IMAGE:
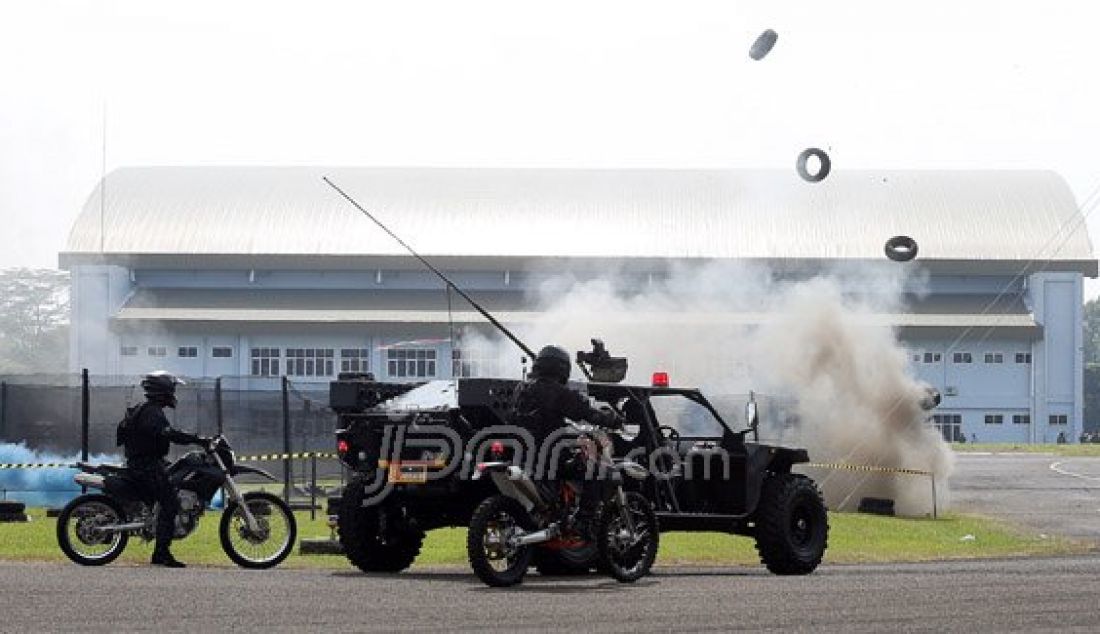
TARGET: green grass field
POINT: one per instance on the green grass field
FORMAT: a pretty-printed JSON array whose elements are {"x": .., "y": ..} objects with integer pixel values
[
  {"x": 853, "y": 538},
  {"x": 1058, "y": 450}
]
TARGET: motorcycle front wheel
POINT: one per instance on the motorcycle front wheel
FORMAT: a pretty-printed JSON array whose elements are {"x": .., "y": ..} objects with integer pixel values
[
  {"x": 80, "y": 531},
  {"x": 494, "y": 556},
  {"x": 274, "y": 538},
  {"x": 627, "y": 555}
]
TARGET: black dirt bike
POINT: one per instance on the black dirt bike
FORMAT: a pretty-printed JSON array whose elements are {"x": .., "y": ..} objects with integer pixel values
[
  {"x": 506, "y": 529},
  {"x": 257, "y": 529}
]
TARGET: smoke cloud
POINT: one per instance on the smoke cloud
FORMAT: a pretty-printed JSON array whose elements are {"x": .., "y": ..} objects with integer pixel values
[
  {"x": 40, "y": 487},
  {"x": 821, "y": 348}
]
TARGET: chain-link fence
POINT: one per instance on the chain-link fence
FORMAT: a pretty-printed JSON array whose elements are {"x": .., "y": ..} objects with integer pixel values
[{"x": 56, "y": 418}]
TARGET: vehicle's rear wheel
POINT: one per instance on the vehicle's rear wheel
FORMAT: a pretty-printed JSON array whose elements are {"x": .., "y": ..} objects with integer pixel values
[
  {"x": 375, "y": 538},
  {"x": 495, "y": 558},
  {"x": 792, "y": 526},
  {"x": 80, "y": 531},
  {"x": 563, "y": 562}
]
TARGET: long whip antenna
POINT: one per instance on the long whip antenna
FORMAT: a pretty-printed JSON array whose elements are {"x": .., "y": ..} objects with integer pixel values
[{"x": 484, "y": 313}]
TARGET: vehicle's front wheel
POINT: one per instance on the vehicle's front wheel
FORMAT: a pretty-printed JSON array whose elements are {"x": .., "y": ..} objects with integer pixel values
[
  {"x": 627, "y": 550},
  {"x": 496, "y": 559},
  {"x": 270, "y": 543},
  {"x": 371, "y": 543},
  {"x": 80, "y": 531},
  {"x": 792, "y": 526}
]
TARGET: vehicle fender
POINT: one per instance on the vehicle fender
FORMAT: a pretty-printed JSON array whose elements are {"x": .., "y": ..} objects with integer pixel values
[
  {"x": 762, "y": 461},
  {"x": 239, "y": 469}
]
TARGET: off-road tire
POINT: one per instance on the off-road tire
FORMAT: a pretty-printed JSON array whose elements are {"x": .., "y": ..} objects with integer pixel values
[
  {"x": 63, "y": 537},
  {"x": 566, "y": 563},
  {"x": 225, "y": 527},
  {"x": 610, "y": 515},
  {"x": 486, "y": 512},
  {"x": 357, "y": 528},
  {"x": 792, "y": 526}
]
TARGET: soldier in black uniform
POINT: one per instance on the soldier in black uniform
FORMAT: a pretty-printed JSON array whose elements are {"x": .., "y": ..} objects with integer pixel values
[
  {"x": 543, "y": 403},
  {"x": 147, "y": 436}
]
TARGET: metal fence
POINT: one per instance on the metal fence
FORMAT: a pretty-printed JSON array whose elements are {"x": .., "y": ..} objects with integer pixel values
[{"x": 62, "y": 417}]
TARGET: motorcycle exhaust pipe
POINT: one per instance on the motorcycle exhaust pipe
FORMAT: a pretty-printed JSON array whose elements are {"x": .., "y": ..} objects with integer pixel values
[
  {"x": 89, "y": 480},
  {"x": 122, "y": 528},
  {"x": 539, "y": 537}
]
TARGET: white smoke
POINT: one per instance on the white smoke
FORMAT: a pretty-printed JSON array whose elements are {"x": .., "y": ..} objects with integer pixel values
[{"x": 823, "y": 345}]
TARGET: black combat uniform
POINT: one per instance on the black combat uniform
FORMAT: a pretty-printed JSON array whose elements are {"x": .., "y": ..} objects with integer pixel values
[
  {"x": 146, "y": 438},
  {"x": 542, "y": 405}
]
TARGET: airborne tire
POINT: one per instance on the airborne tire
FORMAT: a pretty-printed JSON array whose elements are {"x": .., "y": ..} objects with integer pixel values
[
  {"x": 364, "y": 547},
  {"x": 792, "y": 526}
]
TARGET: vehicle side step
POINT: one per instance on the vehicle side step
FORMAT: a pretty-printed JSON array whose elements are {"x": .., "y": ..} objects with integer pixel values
[{"x": 700, "y": 522}]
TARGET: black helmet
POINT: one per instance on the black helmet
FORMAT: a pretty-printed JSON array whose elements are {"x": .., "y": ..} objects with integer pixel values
[
  {"x": 160, "y": 387},
  {"x": 552, "y": 362}
]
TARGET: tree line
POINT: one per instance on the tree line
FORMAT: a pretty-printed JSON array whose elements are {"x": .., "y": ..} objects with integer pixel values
[{"x": 34, "y": 321}]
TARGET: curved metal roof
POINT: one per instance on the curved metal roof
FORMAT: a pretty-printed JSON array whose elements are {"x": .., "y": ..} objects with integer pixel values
[{"x": 537, "y": 213}]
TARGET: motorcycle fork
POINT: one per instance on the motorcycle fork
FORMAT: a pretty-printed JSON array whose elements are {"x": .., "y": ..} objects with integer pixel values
[
  {"x": 236, "y": 496},
  {"x": 624, "y": 511}
]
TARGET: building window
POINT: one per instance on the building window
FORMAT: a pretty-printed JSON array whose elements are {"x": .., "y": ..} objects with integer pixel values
[
  {"x": 994, "y": 357},
  {"x": 158, "y": 351},
  {"x": 188, "y": 352},
  {"x": 1023, "y": 357},
  {"x": 221, "y": 352},
  {"x": 469, "y": 363},
  {"x": 932, "y": 357},
  {"x": 1021, "y": 419},
  {"x": 962, "y": 357},
  {"x": 309, "y": 361},
  {"x": 1059, "y": 419},
  {"x": 355, "y": 360},
  {"x": 949, "y": 426},
  {"x": 994, "y": 419},
  {"x": 410, "y": 362},
  {"x": 128, "y": 351},
  {"x": 265, "y": 362}
]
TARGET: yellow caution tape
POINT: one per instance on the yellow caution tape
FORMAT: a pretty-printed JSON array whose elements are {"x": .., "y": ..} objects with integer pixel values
[
  {"x": 286, "y": 456},
  {"x": 257, "y": 458},
  {"x": 38, "y": 465},
  {"x": 860, "y": 467}
]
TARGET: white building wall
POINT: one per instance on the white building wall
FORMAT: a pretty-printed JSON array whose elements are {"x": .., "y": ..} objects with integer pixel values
[{"x": 1050, "y": 385}]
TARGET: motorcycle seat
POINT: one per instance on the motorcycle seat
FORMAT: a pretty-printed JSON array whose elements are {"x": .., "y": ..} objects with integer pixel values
[{"x": 100, "y": 468}]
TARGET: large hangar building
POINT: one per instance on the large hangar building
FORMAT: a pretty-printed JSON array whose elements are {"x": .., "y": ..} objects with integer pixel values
[{"x": 261, "y": 272}]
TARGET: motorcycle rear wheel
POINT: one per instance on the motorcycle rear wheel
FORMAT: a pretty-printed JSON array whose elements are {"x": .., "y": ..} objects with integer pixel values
[
  {"x": 494, "y": 561},
  {"x": 278, "y": 531},
  {"x": 627, "y": 557},
  {"x": 78, "y": 532}
]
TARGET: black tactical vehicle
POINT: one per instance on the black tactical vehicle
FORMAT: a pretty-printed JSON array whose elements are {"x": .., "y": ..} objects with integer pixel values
[{"x": 705, "y": 474}]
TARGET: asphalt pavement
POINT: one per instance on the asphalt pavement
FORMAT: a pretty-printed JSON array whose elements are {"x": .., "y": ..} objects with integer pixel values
[
  {"x": 987, "y": 596},
  {"x": 1045, "y": 493}
]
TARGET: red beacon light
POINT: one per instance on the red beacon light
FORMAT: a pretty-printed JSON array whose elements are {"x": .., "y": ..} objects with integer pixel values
[{"x": 660, "y": 379}]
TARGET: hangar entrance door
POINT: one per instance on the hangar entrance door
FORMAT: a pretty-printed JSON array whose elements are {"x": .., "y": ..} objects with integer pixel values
[{"x": 949, "y": 426}]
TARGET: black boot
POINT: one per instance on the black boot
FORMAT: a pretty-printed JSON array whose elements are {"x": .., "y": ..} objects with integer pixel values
[{"x": 167, "y": 560}]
